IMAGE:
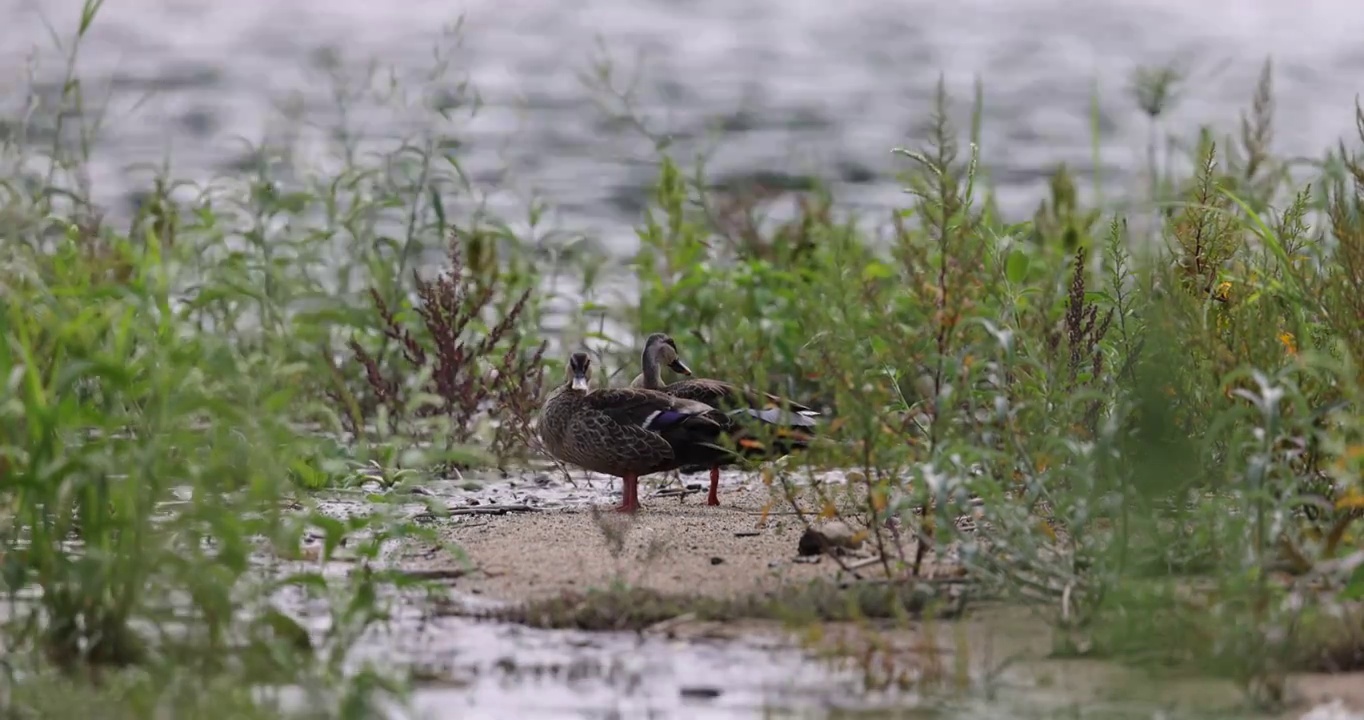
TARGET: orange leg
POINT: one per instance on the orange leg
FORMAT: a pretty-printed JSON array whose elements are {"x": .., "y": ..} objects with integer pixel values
[
  {"x": 629, "y": 495},
  {"x": 714, "y": 497}
]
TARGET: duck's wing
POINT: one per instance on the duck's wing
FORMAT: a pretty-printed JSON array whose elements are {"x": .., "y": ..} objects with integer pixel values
[
  {"x": 720, "y": 393},
  {"x": 643, "y": 408},
  {"x": 711, "y": 392}
]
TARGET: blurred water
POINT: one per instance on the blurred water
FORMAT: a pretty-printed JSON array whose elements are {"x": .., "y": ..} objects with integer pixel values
[{"x": 798, "y": 86}]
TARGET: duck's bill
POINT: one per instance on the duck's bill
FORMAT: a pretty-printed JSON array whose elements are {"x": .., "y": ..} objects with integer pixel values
[
  {"x": 579, "y": 383},
  {"x": 679, "y": 367}
]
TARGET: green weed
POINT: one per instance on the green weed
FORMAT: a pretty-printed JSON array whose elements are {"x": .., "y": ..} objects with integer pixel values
[
  {"x": 1112, "y": 403},
  {"x": 174, "y": 380},
  {"x": 631, "y": 608}
]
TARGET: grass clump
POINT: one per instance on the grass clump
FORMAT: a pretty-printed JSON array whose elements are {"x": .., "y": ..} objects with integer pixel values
[
  {"x": 471, "y": 368},
  {"x": 1075, "y": 406},
  {"x": 175, "y": 380},
  {"x": 623, "y": 607},
  {"x": 145, "y": 468}
]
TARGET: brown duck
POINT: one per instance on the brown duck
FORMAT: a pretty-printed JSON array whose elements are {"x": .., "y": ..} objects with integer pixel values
[
  {"x": 629, "y": 432},
  {"x": 794, "y": 421}
]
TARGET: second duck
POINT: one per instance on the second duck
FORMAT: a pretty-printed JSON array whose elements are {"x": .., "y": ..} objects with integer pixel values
[{"x": 793, "y": 422}]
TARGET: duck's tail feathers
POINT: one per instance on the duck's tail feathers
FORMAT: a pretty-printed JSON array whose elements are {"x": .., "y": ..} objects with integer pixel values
[
  {"x": 782, "y": 441},
  {"x": 777, "y": 416}
]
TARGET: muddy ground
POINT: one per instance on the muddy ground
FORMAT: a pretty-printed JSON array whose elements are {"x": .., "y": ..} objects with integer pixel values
[
  {"x": 672, "y": 545},
  {"x": 680, "y": 546}
]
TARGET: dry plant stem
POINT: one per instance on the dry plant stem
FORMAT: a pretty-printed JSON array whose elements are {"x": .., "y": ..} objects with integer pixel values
[
  {"x": 492, "y": 510},
  {"x": 867, "y": 472},
  {"x": 468, "y": 371},
  {"x": 923, "y": 539},
  {"x": 893, "y": 524}
]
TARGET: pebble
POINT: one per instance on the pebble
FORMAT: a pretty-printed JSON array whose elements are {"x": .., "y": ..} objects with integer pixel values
[
  {"x": 1334, "y": 710},
  {"x": 827, "y": 537}
]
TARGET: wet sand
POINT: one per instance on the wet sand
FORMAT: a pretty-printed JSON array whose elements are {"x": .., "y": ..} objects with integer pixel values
[
  {"x": 1001, "y": 652},
  {"x": 671, "y": 545}
]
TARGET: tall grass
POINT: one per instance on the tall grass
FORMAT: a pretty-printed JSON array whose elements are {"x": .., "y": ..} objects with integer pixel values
[
  {"x": 1152, "y": 428},
  {"x": 174, "y": 383}
]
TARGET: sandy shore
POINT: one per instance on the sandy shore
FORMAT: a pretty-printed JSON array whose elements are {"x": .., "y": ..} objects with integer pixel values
[
  {"x": 681, "y": 546},
  {"x": 672, "y": 545}
]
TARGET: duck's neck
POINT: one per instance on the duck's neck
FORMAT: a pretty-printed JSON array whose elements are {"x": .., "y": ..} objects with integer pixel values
[
  {"x": 562, "y": 389},
  {"x": 653, "y": 375}
]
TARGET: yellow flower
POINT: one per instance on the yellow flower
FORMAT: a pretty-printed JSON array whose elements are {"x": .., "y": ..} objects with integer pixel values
[
  {"x": 1223, "y": 291},
  {"x": 1290, "y": 343}
]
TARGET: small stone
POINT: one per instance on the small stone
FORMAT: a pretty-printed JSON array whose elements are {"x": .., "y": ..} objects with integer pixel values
[
  {"x": 829, "y": 537},
  {"x": 716, "y": 560}
]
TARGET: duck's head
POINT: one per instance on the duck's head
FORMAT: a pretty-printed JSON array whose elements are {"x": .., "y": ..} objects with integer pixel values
[
  {"x": 664, "y": 352},
  {"x": 579, "y": 371}
]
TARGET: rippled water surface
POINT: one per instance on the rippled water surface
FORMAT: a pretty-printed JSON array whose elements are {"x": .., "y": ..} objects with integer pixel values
[{"x": 801, "y": 87}]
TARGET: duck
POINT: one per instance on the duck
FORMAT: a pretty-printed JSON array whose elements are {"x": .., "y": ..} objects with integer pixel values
[
  {"x": 794, "y": 421},
  {"x": 629, "y": 432}
]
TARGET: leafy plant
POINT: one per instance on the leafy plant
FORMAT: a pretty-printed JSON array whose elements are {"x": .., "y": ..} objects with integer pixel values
[
  {"x": 1117, "y": 426},
  {"x": 469, "y": 366}
]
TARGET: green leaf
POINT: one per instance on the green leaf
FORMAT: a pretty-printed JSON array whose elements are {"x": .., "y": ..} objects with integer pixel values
[
  {"x": 875, "y": 270},
  {"x": 287, "y": 629},
  {"x": 1016, "y": 268},
  {"x": 1354, "y": 588}
]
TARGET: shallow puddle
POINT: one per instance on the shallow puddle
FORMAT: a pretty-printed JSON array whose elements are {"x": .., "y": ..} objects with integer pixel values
[
  {"x": 550, "y": 674},
  {"x": 490, "y": 670}
]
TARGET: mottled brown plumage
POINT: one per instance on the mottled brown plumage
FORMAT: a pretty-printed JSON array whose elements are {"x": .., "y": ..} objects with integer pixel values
[
  {"x": 629, "y": 432},
  {"x": 793, "y": 421}
]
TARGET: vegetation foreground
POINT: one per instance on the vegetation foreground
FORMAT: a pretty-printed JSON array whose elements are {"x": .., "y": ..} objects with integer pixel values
[{"x": 1149, "y": 410}]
